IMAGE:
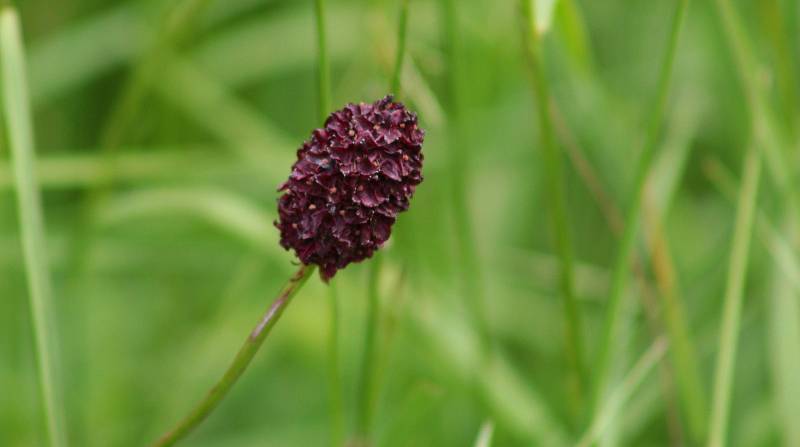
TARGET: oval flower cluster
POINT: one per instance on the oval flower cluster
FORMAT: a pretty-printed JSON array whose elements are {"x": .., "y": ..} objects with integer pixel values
[{"x": 351, "y": 180}]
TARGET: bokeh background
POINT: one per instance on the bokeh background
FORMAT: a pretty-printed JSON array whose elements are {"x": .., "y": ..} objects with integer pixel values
[{"x": 163, "y": 131}]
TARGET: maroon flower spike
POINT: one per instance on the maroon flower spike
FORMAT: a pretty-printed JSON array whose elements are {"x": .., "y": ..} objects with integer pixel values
[{"x": 350, "y": 181}]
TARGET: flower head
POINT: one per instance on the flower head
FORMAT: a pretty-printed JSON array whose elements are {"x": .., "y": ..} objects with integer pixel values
[{"x": 351, "y": 180}]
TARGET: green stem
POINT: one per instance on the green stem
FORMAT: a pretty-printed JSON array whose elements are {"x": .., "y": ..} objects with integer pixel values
[
  {"x": 459, "y": 164},
  {"x": 16, "y": 108},
  {"x": 173, "y": 29},
  {"x": 323, "y": 65},
  {"x": 336, "y": 406},
  {"x": 334, "y": 374},
  {"x": 558, "y": 212},
  {"x": 402, "y": 23},
  {"x": 762, "y": 122},
  {"x": 779, "y": 36},
  {"x": 731, "y": 316},
  {"x": 366, "y": 389},
  {"x": 240, "y": 362},
  {"x": 682, "y": 351},
  {"x": 623, "y": 259},
  {"x": 625, "y": 391}
]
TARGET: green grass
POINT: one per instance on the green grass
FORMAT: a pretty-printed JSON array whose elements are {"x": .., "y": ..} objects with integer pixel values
[
  {"x": 240, "y": 363},
  {"x": 621, "y": 271},
  {"x": 18, "y": 126},
  {"x": 471, "y": 340},
  {"x": 731, "y": 318},
  {"x": 559, "y": 221}
]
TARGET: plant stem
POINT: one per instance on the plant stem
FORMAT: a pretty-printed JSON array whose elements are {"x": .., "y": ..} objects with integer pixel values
[
  {"x": 632, "y": 218},
  {"x": 762, "y": 122},
  {"x": 16, "y": 108},
  {"x": 459, "y": 156},
  {"x": 402, "y": 23},
  {"x": 366, "y": 389},
  {"x": 323, "y": 65},
  {"x": 240, "y": 362},
  {"x": 558, "y": 213},
  {"x": 335, "y": 403},
  {"x": 334, "y": 374},
  {"x": 729, "y": 333},
  {"x": 622, "y": 394},
  {"x": 690, "y": 385}
]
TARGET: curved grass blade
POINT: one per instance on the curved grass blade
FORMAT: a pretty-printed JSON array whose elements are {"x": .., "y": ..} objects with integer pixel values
[
  {"x": 367, "y": 391},
  {"x": 729, "y": 333},
  {"x": 485, "y": 435}
]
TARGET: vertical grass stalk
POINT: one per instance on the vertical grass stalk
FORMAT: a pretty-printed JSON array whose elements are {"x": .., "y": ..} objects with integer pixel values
[
  {"x": 682, "y": 351},
  {"x": 240, "y": 363},
  {"x": 402, "y": 25},
  {"x": 368, "y": 386},
  {"x": 323, "y": 64},
  {"x": 557, "y": 200},
  {"x": 366, "y": 389},
  {"x": 737, "y": 269},
  {"x": 762, "y": 122},
  {"x": 458, "y": 160},
  {"x": 335, "y": 404},
  {"x": 624, "y": 255},
  {"x": 624, "y": 391},
  {"x": 174, "y": 28},
  {"x": 19, "y": 128}
]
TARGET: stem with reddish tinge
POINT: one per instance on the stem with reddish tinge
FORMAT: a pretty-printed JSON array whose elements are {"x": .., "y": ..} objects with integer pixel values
[{"x": 241, "y": 362}]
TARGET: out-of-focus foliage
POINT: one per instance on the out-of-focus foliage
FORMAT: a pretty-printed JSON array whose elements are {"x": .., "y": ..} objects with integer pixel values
[{"x": 158, "y": 281}]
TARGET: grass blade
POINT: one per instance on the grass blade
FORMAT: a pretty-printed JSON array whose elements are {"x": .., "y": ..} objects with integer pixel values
[
  {"x": 729, "y": 332},
  {"x": 229, "y": 212},
  {"x": 366, "y": 389},
  {"x": 660, "y": 192},
  {"x": 485, "y": 435},
  {"x": 212, "y": 105},
  {"x": 762, "y": 120},
  {"x": 623, "y": 393},
  {"x": 323, "y": 64},
  {"x": 572, "y": 26},
  {"x": 784, "y": 326},
  {"x": 19, "y": 128},
  {"x": 176, "y": 24},
  {"x": 402, "y": 25},
  {"x": 557, "y": 202},
  {"x": 784, "y": 345},
  {"x": 459, "y": 156},
  {"x": 632, "y": 218}
]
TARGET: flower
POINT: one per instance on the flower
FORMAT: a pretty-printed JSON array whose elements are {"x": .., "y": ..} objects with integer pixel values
[{"x": 350, "y": 181}]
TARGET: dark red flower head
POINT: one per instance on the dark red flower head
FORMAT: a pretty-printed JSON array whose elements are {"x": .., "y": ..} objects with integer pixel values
[{"x": 351, "y": 180}]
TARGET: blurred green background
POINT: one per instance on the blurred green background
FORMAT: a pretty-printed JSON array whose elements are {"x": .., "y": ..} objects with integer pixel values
[{"x": 163, "y": 131}]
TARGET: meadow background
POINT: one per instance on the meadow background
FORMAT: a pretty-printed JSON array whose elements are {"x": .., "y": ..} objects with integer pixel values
[{"x": 164, "y": 128}]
